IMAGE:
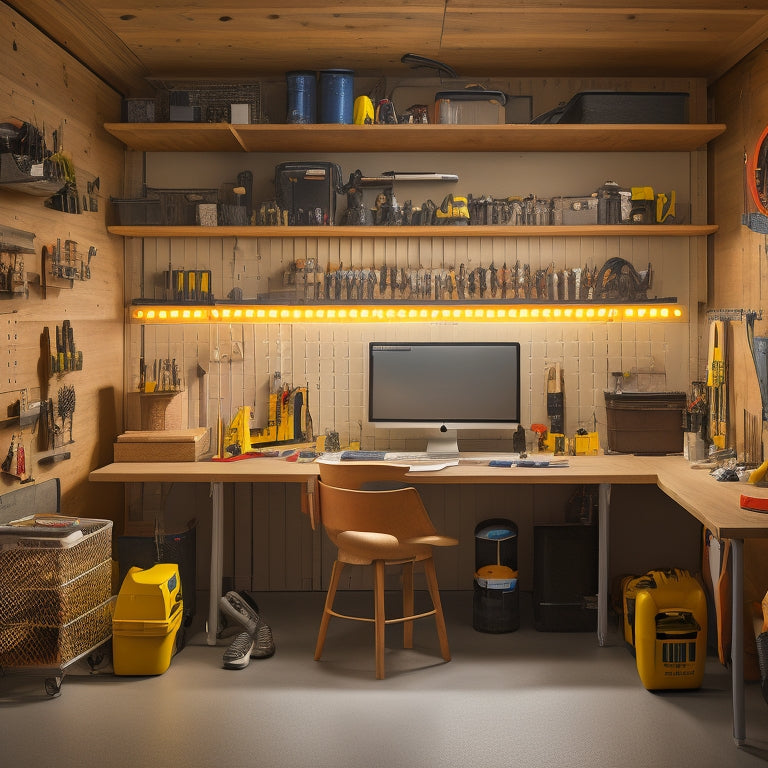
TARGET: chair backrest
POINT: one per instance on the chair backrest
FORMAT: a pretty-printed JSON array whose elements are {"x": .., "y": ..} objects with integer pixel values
[
  {"x": 358, "y": 475},
  {"x": 398, "y": 512}
]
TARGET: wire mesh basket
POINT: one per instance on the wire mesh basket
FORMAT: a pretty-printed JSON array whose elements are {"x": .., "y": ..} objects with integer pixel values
[
  {"x": 28, "y": 561},
  {"x": 215, "y": 98},
  {"x": 51, "y": 606},
  {"x": 30, "y": 645},
  {"x": 178, "y": 207}
]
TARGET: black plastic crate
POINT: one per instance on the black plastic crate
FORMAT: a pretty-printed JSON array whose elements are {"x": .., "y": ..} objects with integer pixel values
[{"x": 608, "y": 107}]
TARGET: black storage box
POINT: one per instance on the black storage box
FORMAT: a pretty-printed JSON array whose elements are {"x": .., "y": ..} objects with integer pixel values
[
  {"x": 645, "y": 422},
  {"x": 620, "y": 107},
  {"x": 307, "y": 191},
  {"x": 138, "y": 111},
  {"x": 162, "y": 207},
  {"x": 136, "y": 212},
  {"x": 565, "y": 565}
]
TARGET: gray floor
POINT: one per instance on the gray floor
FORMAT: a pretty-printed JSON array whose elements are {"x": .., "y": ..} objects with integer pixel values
[{"x": 525, "y": 698}]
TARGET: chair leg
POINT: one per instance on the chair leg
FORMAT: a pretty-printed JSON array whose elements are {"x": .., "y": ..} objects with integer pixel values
[
  {"x": 379, "y": 616},
  {"x": 408, "y": 604},
  {"x": 338, "y": 567},
  {"x": 434, "y": 593}
]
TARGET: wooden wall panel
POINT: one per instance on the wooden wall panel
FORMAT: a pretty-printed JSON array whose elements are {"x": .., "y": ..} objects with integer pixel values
[
  {"x": 740, "y": 99},
  {"x": 41, "y": 84}
]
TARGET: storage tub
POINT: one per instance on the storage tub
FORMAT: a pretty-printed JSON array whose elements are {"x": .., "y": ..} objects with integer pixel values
[
  {"x": 645, "y": 422},
  {"x": 147, "y": 618},
  {"x": 606, "y": 107}
]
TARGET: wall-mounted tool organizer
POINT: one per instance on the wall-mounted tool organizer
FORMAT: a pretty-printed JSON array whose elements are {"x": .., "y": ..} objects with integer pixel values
[{"x": 63, "y": 265}]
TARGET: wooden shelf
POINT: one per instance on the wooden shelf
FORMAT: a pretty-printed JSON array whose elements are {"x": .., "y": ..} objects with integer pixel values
[
  {"x": 605, "y": 230},
  {"x": 223, "y": 137}
]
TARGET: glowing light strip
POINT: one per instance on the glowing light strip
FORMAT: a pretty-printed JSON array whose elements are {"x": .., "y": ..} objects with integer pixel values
[{"x": 409, "y": 313}]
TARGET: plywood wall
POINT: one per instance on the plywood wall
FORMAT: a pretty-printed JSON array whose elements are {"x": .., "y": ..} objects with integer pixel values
[
  {"x": 738, "y": 266},
  {"x": 41, "y": 84}
]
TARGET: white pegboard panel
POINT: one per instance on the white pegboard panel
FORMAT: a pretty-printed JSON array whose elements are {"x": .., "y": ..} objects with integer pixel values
[{"x": 10, "y": 362}]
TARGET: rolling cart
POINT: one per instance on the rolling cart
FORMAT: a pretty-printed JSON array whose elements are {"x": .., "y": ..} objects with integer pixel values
[{"x": 55, "y": 596}]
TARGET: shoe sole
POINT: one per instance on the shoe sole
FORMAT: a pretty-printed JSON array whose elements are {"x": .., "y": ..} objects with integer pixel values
[{"x": 237, "y": 664}]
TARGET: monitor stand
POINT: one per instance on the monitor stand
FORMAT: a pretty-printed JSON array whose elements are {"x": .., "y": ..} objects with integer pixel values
[{"x": 446, "y": 442}]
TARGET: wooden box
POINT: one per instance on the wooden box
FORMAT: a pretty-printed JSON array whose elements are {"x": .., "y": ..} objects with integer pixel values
[{"x": 165, "y": 445}]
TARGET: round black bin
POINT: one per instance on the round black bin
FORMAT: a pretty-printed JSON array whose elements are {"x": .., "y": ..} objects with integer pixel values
[{"x": 496, "y": 600}]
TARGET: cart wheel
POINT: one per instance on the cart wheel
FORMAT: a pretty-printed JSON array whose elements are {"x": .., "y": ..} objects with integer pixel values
[
  {"x": 96, "y": 659},
  {"x": 53, "y": 686}
]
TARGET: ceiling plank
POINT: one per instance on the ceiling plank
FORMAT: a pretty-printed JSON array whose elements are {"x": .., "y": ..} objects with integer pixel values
[
  {"x": 126, "y": 42},
  {"x": 78, "y": 29}
]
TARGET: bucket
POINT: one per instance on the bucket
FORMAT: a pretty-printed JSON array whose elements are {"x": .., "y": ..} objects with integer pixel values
[
  {"x": 337, "y": 96},
  {"x": 302, "y": 99},
  {"x": 496, "y": 600}
]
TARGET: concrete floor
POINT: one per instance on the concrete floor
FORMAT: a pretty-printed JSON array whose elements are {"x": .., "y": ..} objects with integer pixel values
[{"x": 524, "y": 698}]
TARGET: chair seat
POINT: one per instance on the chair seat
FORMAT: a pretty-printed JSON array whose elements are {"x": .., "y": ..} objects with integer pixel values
[{"x": 363, "y": 547}]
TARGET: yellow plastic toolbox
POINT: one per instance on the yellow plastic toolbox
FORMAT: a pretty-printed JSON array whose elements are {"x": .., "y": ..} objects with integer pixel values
[
  {"x": 665, "y": 622},
  {"x": 147, "y": 618}
]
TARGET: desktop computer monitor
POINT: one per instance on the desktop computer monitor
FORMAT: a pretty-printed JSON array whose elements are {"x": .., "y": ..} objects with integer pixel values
[{"x": 444, "y": 387}]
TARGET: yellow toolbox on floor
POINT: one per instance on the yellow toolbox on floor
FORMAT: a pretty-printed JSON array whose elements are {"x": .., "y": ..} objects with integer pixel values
[
  {"x": 665, "y": 622},
  {"x": 147, "y": 618}
]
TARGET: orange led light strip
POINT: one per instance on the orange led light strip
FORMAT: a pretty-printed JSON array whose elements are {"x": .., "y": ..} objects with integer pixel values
[{"x": 423, "y": 313}]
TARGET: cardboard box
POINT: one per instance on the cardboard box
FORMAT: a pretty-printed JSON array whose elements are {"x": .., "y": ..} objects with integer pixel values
[
  {"x": 157, "y": 411},
  {"x": 166, "y": 445}
]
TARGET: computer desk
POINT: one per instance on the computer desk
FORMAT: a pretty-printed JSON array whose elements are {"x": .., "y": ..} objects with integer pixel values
[{"x": 714, "y": 504}]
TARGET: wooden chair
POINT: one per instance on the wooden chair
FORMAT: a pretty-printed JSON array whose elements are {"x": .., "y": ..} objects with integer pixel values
[{"x": 380, "y": 528}]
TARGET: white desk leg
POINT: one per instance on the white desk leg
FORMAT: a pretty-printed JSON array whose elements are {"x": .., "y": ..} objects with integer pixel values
[
  {"x": 217, "y": 545},
  {"x": 604, "y": 505},
  {"x": 737, "y": 641}
]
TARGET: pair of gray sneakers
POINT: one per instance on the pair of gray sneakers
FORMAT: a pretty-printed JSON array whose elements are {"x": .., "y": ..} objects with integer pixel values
[{"x": 256, "y": 641}]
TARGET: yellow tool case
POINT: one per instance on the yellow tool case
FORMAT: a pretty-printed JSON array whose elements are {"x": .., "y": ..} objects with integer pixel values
[
  {"x": 147, "y": 618},
  {"x": 665, "y": 621}
]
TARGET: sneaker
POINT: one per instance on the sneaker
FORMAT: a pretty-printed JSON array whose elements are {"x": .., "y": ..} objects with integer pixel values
[
  {"x": 238, "y": 654},
  {"x": 264, "y": 644},
  {"x": 242, "y": 609}
]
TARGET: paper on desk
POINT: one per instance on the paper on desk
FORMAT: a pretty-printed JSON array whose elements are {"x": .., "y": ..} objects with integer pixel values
[{"x": 432, "y": 467}]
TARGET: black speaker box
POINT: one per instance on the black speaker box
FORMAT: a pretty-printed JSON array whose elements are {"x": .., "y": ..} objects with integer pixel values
[{"x": 565, "y": 563}]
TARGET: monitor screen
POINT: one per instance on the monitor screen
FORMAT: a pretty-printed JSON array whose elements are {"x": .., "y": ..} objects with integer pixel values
[{"x": 456, "y": 385}]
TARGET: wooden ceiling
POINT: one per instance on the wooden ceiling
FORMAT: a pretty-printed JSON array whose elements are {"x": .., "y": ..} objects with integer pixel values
[{"x": 125, "y": 41}]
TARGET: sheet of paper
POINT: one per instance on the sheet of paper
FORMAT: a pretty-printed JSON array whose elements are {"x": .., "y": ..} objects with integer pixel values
[{"x": 432, "y": 467}]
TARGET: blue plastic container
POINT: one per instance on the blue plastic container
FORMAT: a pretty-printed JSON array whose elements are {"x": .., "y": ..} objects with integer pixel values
[
  {"x": 302, "y": 97},
  {"x": 337, "y": 96}
]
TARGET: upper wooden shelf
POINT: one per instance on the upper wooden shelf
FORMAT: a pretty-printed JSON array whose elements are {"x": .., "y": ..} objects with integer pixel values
[
  {"x": 596, "y": 230},
  {"x": 223, "y": 137}
]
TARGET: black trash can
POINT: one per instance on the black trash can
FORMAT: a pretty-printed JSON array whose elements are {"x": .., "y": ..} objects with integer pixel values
[{"x": 496, "y": 601}]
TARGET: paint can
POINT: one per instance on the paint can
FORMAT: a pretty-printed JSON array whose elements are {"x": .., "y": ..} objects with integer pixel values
[
  {"x": 302, "y": 97},
  {"x": 337, "y": 96}
]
